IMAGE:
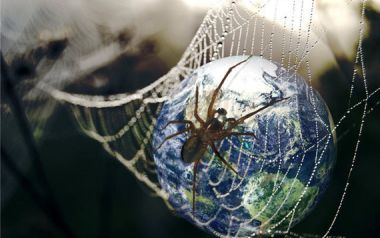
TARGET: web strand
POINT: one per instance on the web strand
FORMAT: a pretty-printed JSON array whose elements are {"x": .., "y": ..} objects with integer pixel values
[{"x": 124, "y": 123}]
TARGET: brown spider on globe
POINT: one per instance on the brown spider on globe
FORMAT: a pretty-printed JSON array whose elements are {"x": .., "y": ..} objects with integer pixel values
[{"x": 215, "y": 128}]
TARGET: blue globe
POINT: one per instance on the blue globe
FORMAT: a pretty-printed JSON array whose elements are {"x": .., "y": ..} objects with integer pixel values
[{"x": 281, "y": 174}]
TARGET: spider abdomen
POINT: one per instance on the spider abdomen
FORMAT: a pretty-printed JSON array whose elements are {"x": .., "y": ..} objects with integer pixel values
[{"x": 193, "y": 149}]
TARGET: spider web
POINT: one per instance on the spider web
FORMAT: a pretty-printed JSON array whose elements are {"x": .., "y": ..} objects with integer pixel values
[{"x": 124, "y": 123}]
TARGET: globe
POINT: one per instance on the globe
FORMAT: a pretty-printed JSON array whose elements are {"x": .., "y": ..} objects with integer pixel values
[{"x": 281, "y": 172}]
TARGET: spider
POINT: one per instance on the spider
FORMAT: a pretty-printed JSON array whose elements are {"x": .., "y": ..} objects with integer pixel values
[{"x": 215, "y": 128}]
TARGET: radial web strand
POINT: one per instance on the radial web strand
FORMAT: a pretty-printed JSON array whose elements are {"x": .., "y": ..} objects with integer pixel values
[{"x": 124, "y": 123}]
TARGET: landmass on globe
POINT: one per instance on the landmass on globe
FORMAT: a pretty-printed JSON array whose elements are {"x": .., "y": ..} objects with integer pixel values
[{"x": 282, "y": 174}]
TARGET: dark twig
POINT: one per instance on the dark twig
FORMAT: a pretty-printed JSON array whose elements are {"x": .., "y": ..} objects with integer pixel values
[
  {"x": 42, "y": 203},
  {"x": 49, "y": 203}
]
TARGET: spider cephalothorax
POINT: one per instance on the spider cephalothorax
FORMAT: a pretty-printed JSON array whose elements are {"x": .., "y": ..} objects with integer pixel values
[{"x": 215, "y": 128}]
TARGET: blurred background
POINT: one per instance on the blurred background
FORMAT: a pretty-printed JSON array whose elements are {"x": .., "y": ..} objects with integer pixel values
[{"x": 57, "y": 182}]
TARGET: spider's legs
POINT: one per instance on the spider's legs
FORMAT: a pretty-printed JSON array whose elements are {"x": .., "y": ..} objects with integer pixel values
[
  {"x": 210, "y": 110},
  {"x": 172, "y": 135},
  {"x": 188, "y": 122},
  {"x": 215, "y": 150},
  {"x": 241, "y": 119},
  {"x": 196, "y": 107},
  {"x": 229, "y": 121},
  {"x": 195, "y": 168}
]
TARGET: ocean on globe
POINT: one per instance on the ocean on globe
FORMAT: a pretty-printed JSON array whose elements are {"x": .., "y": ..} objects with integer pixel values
[{"x": 281, "y": 174}]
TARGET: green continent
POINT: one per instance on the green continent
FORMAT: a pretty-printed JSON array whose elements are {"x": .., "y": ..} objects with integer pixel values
[
  {"x": 271, "y": 198},
  {"x": 202, "y": 202}
]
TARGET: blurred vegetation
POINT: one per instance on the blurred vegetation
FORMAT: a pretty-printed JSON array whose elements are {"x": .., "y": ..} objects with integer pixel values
[{"x": 93, "y": 194}]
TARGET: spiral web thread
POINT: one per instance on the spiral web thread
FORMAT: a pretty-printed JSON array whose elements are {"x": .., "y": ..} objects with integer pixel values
[{"x": 124, "y": 123}]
